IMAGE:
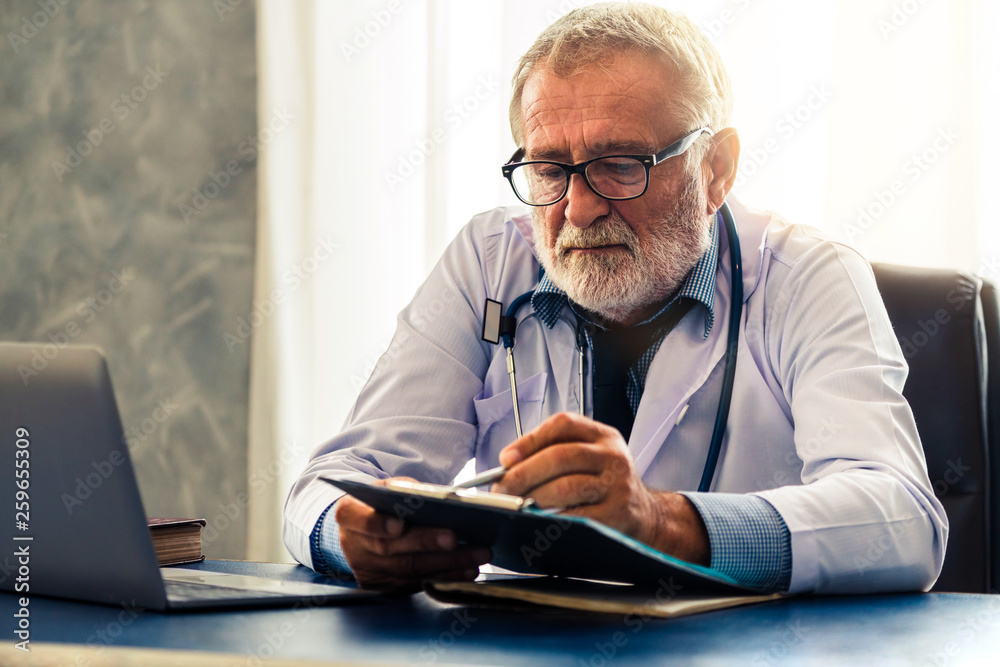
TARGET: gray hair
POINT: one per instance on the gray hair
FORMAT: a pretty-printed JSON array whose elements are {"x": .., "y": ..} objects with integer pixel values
[{"x": 593, "y": 34}]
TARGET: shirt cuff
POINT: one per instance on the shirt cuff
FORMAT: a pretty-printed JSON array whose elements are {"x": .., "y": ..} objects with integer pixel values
[
  {"x": 749, "y": 540},
  {"x": 324, "y": 547}
]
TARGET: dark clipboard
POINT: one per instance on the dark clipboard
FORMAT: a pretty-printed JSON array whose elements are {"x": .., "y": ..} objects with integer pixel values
[{"x": 538, "y": 542}]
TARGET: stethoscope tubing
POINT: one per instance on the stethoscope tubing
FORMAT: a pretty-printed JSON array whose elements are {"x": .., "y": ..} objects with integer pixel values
[{"x": 732, "y": 348}]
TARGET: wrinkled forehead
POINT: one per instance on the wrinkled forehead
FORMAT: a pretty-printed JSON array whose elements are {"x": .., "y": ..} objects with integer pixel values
[{"x": 624, "y": 102}]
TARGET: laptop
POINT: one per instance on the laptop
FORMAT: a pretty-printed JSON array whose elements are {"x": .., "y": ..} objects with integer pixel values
[{"x": 74, "y": 516}]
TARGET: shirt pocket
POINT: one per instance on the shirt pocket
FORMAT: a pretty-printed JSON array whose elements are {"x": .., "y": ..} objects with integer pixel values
[{"x": 495, "y": 415}]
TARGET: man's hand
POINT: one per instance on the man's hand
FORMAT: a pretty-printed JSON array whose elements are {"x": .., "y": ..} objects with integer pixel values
[
  {"x": 386, "y": 555},
  {"x": 574, "y": 462}
]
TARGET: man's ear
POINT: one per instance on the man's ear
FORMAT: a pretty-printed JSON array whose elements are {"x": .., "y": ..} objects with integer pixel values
[{"x": 720, "y": 166}]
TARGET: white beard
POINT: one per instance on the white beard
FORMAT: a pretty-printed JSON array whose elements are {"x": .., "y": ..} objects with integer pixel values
[{"x": 619, "y": 283}]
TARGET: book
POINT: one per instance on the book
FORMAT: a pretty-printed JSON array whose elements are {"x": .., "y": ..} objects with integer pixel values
[
  {"x": 176, "y": 541},
  {"x": 663, "y": 601},
  {"x": 533, "y": 541}
]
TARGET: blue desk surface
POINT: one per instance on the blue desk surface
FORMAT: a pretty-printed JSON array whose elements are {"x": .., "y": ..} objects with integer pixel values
[{"x": 910, "y": 629}]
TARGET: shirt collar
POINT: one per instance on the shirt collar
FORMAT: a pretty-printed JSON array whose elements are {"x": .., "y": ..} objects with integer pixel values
[{"x": 549, "y": 301}]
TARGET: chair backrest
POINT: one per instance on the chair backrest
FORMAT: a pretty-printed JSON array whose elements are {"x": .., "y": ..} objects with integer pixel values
[
  {"x": 991, "y": 316},
  {"x": 938, "y": 317}
]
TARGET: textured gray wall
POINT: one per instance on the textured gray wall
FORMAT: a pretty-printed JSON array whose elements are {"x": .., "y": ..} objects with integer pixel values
[{"x": 114, "y": 114}]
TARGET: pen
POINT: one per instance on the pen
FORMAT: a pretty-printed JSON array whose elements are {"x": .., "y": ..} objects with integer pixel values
[{"x": 483, "y": 478}]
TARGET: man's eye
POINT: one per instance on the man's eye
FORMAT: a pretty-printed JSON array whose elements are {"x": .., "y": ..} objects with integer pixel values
[
  {"x": 550, "y": 172},
  {"x": 621, "y": 169}
]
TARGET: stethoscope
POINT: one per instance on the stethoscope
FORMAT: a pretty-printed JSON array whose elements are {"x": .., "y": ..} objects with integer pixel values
[{"x": 497, "y": 327}]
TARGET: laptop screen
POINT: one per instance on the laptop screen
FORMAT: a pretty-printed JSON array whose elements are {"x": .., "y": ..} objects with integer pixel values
[{"x": 80, "y": 524}]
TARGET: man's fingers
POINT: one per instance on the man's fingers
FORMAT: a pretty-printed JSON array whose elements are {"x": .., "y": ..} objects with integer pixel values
[
  {"x": 559, "y": 460},
  {"x": 387, "y": 555},
  {"x": 379, "y": 571},
  {"x": 391, "y": 583},
  {"x": 570, "y": 491},
  {"x": 562, "y": 427},
  {"x": 423, "y": 565},
  {"x": 414, "y": 540},
  {"x": 353, "y": 515},
  {"x": 457, "y": 575}
]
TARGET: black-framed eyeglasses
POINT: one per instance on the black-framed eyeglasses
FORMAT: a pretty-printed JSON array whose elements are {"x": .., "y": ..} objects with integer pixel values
[{"x": 615, "y": 177}]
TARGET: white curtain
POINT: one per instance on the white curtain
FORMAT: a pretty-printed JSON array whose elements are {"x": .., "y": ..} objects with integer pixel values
[{"x": 867, "y": 118}]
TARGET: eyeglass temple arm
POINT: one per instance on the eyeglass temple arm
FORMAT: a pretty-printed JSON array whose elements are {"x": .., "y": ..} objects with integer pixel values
[
  {"x": 516, "y": 157},
  {"x": 679, "y": 146}
]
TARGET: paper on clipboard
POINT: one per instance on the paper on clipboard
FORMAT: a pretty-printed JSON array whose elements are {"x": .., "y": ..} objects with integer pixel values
[{"x": 456, "y": 494}]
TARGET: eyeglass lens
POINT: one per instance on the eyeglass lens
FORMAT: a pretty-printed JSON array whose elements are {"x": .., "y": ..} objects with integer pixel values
[{"x": 612, "y": 177}]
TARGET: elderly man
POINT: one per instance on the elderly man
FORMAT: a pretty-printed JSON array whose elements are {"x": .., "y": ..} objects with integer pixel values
[{"x": 627, "y": 274}]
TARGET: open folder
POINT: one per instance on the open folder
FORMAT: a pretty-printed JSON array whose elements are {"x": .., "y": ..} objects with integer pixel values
[
  {"x": 526, "y": 539},
  {"x": 637, "y": 601}
]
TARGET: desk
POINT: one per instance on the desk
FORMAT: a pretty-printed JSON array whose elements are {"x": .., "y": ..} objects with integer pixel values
[{"x": 877, "y": 630}]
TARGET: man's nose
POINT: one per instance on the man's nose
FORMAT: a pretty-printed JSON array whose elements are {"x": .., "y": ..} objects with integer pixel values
[{"x": 583, "y": 205}]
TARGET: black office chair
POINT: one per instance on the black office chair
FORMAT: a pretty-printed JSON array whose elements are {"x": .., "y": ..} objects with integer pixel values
[
  {"x": 946, "y": 323},
  {"x": 991, "y": 314}
]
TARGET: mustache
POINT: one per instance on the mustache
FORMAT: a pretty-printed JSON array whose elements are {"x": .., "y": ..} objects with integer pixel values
[{"x": 607, "y": 230}]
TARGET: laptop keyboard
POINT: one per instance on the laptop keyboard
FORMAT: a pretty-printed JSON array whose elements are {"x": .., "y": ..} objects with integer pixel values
[{"x": 182, "y": 591}]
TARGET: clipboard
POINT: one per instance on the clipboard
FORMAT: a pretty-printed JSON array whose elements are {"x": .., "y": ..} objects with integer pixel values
[
  {"x": 530, "y": 540},
  {"x": 460, "y": 495}
]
